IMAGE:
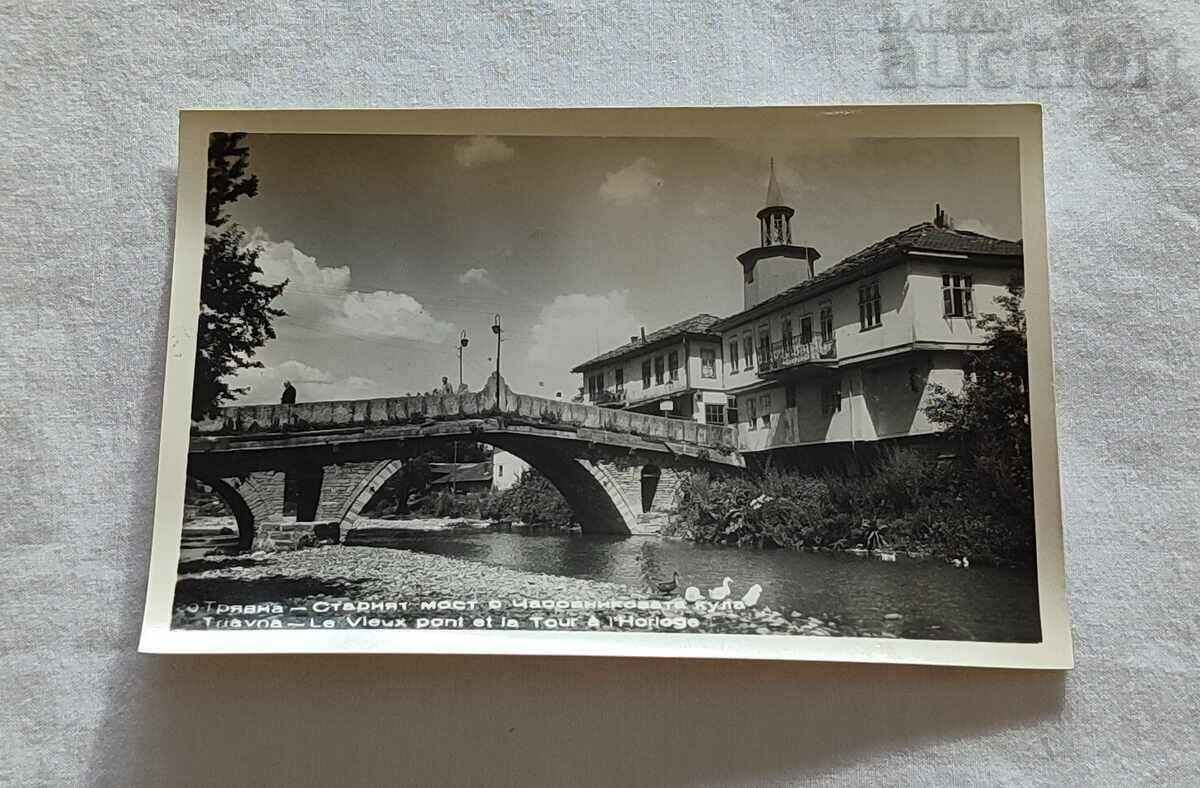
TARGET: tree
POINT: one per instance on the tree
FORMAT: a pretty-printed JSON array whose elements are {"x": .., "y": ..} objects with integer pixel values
[
  {"x": 989, "y": 418},
  {"x": 416, "y": 477},
  {"x": 534, "y": 500},
  {"x": 235, "y": 308}
]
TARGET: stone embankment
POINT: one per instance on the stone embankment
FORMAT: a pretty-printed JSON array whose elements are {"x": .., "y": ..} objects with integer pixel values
[{"x": 368, "y": 587}]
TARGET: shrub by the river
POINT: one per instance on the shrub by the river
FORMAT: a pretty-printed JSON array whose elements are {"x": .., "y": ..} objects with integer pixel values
[
  {"x": 534, "y": 500},
  {"x": 907, "y": 502},
  {"x": 443, "y": 503}
]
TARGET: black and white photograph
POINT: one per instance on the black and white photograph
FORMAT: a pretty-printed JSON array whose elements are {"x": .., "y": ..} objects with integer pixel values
[{"x": 587, "y": 385}]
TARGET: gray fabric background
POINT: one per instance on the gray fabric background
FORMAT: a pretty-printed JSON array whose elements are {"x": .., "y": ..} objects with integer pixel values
[{"x": 90, "y": 94}]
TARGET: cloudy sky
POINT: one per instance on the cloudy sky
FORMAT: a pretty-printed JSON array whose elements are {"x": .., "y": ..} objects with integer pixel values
[{"x": 393, "y": 245}]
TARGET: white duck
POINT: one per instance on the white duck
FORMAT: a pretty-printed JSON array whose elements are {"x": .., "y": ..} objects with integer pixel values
[
  {"x": 751, "y": 597},
  {"x": 721, "y": 591},
  {"x": 692, "y": 594}
]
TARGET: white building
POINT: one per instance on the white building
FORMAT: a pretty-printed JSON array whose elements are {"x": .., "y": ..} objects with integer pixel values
[
  {"x": 822, "y": 365},
  {"x": 506, "y": 469},
  {"x": 675, "y": 371}
]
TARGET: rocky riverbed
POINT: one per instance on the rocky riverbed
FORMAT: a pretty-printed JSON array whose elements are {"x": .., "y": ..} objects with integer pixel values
[{"x": 349, "y": 587}]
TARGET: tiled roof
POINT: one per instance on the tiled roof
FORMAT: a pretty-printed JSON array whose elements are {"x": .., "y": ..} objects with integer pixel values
[
  {"x": 927, "y": 237},
  {"x": 474, "y": 472},
  {"x": 696, "y": 325}
]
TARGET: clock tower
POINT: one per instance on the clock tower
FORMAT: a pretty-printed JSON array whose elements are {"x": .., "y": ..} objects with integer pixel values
[{"x": 776, "y": 263}]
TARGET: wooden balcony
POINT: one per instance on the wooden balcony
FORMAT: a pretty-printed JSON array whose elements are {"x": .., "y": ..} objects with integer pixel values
[
  {"x": 792, "y": 353},
  {"x": 606, "y": 398}
]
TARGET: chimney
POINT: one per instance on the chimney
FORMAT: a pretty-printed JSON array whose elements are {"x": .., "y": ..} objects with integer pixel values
[
  {"x": 633, "y": 339},
  {"x": 643, "y": 335}
]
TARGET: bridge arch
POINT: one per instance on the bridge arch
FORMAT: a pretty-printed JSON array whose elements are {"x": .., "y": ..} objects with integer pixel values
[
  {"x": 596, "y": 497},
  {"x": 352, "y": 508},
  {"x": 650, "y": 476},
  {"x": 251, "y": 499}
]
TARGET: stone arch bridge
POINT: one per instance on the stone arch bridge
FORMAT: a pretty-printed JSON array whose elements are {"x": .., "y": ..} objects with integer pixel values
[{"x": 616, "y": 469}]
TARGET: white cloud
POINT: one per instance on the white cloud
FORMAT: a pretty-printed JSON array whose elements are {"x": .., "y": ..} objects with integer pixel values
[
  {"x": 320, "y": 298},
  {"x": 384, "y": 313},
  {"x": 481, "y": 150},
  {"x": 479, "y": 276},
  {"x": 576, "y": 327},
  {"x": 635, "y": 184},
  {"x": 975, "y": 226},
  {"x": 299, "y": 372},
  {"x": 312, "y": 384}
]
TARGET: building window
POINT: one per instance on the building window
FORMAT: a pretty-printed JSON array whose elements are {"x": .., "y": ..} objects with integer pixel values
[
  {"x": 646, "y": 374},
  {"x": 957, "y": 299},
  {"x": 831, "y": 399},
  {"x": 748, "y": 350},
  {"x": 764, "y": 404},
  {"x": 826, "y": 324},
  {"x": 751, "y": 412},
  {"x": 868, "y": 305},
  {"x": 708, "y": 363},
  {"x": 733, "y": 356},
  {"x": 619, "y": 376},
  {"x": 789, "y": 393},
  {"x": 595, "y": 386},
  {"x": 673, "y": 365},
  {"x": 731, "y": 411},
  {"x": 714, "y": 414},
  {"x": 764, "y": 344},
  {"x": 806, "y": 330},
  {"x": 660, "y": 370},
  {"x": 786, "y": 328}
]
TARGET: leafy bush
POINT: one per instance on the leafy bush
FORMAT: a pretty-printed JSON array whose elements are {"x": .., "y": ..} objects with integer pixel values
[
  {"x": 907, "y": 502},
  {"x": 534, "y": 500}
]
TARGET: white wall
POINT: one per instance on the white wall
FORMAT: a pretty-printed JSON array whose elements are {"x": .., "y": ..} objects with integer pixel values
[
  {"x": 690, "y": 376},
  {"x": 773, "y": 275},
  {"x": 879, "y": 400},
  {"x": 925, "y": 295},
  {"x": 506, "y": 469}
]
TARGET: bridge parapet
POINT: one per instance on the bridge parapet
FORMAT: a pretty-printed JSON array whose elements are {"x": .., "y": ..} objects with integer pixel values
[{"x": 421, "y": 409}]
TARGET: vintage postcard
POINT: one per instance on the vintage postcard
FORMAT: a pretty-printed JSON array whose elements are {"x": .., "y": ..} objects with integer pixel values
[{"x": 763, "y": 383}]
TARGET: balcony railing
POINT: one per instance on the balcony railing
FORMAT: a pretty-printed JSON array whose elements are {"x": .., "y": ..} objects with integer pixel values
[
  {"x": 793, "y": 353},
  {"x": 606, "y": 397}
]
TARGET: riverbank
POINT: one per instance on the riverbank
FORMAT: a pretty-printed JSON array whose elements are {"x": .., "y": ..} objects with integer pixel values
[
  {"x": 350, "y": 587},
  {"x": 909, "y": 504}
]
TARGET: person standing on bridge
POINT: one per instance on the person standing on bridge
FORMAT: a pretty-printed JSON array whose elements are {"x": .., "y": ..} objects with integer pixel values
[
  {"x": 446, "y": 387},
  {"x": 289, "y": 393}
]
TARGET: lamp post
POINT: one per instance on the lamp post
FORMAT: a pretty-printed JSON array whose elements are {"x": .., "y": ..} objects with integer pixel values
[
  {"x": 496, "y": 331},
  {"x": 462, "y": 344}
]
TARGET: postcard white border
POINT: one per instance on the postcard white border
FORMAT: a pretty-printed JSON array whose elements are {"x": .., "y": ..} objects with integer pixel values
[{"x": 1020, "y": 121}]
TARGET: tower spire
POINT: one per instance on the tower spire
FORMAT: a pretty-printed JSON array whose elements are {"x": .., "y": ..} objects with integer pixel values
[
  {"x": 774, "y": 193},
  {"x": 775, "y": 218},
  {"x": 776, "y": 263}
]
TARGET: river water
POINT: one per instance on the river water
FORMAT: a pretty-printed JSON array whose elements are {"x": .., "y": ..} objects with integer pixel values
[{"x": 934, "y": 600}]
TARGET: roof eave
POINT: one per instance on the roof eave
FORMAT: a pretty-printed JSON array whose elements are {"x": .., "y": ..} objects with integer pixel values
[
  {"x": 602, "y": 361},
  {"x": 783, "y": 299}
]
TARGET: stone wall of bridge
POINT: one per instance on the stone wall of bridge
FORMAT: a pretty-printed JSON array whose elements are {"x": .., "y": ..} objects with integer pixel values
[
  {"x": 606, "y": 494},
  {"x": 716, "y": 440},
  {"x": 339, "y": 486}
]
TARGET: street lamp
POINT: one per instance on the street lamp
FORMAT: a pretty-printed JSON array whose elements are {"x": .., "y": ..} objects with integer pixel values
[
  {"x": 462, "y": 343},
  {"x": 496, "y": 331}
]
